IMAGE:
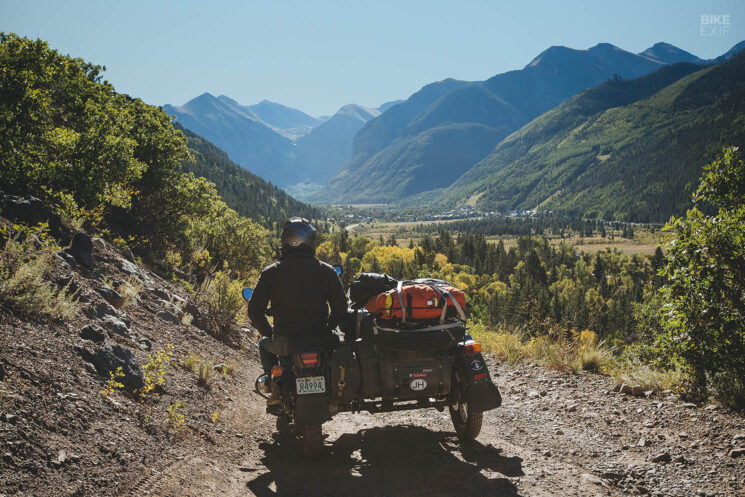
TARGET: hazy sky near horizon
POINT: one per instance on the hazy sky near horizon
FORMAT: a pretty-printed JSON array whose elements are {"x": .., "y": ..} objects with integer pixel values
[{"x": 318, "y": 55}]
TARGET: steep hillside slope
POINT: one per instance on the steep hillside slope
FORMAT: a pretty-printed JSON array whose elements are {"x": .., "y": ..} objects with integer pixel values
[
  {"x": 242, "y": 190},
  {"x": 502, "y": 103},
  {"x": 615, "y": 152}
]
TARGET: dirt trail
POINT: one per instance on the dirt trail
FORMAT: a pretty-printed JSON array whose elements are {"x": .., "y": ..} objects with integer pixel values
[{"x": 556, "y": 434}]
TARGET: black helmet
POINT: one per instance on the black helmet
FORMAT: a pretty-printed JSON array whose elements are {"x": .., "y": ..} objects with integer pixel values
[{"x": 298, "y": 234}]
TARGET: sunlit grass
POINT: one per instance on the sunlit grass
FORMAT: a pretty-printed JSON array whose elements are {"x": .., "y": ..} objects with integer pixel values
[{"x": 581, "y": 352}]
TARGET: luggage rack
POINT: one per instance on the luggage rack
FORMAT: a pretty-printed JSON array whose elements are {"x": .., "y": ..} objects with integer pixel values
[{"x": 388, "y": 405}]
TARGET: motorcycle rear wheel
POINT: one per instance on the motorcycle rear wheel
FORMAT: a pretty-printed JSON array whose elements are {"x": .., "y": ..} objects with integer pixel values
[
  {"x": 466, "y": 421},
  {"x": 312, "y": 441},
  {"x": 283, "y": 426}
]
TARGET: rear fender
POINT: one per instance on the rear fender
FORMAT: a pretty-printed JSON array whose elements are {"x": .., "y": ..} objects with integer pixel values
[
  {"x": 480, "y": 390},
  {"x": 312, "y": 408}
]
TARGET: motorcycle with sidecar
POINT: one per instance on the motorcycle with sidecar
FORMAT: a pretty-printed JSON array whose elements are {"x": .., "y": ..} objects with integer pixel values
[{"x": 383, "y": 365}]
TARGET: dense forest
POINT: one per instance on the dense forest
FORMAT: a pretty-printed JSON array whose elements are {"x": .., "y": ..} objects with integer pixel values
[
  {"x": 536, "y": 225},
  {"x": 682, "y": 312}
]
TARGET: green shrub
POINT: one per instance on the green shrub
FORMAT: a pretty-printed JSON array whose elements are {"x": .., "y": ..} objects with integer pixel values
[
  {"x": 222, "y": 295},
  {"x": 701, "y": 323}
]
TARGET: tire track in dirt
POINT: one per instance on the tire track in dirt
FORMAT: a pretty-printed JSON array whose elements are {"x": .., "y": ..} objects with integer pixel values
[{"x": 555, "y": 435}]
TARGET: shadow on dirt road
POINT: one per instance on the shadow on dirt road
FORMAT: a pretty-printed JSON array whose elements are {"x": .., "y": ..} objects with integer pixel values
[{"x": 389, "y": 461}]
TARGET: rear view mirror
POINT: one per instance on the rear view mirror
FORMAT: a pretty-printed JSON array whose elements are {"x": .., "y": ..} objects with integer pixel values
[
  {"x": 338, "y": 269},
  {"x": 247, "y": 292}
]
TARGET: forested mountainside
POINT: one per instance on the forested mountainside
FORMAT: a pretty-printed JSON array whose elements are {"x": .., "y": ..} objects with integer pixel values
[
  {"x": 621, "y": 151},
  {"x": 242, "y": 190},
  {"x": 491, "y": 109}
]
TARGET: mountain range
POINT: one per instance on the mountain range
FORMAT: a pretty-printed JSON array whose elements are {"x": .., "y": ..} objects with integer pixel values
[
  {"x": 283, "y": 145},
  {"x": 443, "y": 130},
  {"x": 626, "y": 149},
  {"x": 485, "y": 143}
]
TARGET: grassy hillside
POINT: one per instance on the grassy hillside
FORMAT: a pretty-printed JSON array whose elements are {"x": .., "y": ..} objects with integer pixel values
[
  {"x": 242, "y": 190},
  {"x": 615, "y": 152}
]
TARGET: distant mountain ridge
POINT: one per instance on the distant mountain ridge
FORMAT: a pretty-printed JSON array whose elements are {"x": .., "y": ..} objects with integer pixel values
[
  {"x": 627, "y": 150},
  {"x": 243, "y": 191},
  {"x": 395, "y": 150},
  {"x": 276, "y": 142},
  {"x": 409, "y": 147}
]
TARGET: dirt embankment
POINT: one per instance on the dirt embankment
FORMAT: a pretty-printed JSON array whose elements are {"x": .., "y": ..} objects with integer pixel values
[
  {"x": 59, "y": 435},
  {"x": 555, "y": 434}
]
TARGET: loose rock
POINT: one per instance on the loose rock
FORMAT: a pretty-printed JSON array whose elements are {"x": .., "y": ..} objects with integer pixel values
[
  {"x": 112, "y": 296},
  {"x": 740, "y": 451},
  {"x": 115, "y": 325},
  {"x": 662, "y": 457},
  {"x": 169, "y": 317},
  {"x": 92, "y": 332},
  {"x": 109, "y": 357}
]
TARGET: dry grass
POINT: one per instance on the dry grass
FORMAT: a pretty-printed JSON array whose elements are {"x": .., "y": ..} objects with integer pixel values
[
  {"x": 202, "y": 367},
  {"x": 583, "y": 352},
  {"x": 650, "y": 378},
  {"x": 130, "y": 289},
  {"x": 26, "y": 261}
]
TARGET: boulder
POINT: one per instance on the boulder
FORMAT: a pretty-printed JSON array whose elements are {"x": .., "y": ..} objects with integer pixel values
[
  {"x": 626, "y": 389},
  {"x": 82, "y": 249},
  {"x": 163, "y": 294},
  {"x": 92, "y": 332},
  {"x": 99, "y": 244},
  {"x": 110, "y": 357},
  {"x": 103, "y": 309},
  {"x": 28, "y": 210},
  {"x": 113, "y": 297},
  {"x": 637, "y": 391},
  {"x": 115, "y": 325},
  {"x": 662, "y": 457},
  {"x": 132, "y": 269}
]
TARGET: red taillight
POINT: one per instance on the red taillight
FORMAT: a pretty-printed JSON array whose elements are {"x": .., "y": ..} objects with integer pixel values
[
  {"x": 472, "y": 347},
  {"x": 309, "y": 359},
  {"x": 479, "y": 376}
]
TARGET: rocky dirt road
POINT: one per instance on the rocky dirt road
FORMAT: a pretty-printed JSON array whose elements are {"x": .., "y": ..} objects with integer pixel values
[{"x": 556, "y": 434}]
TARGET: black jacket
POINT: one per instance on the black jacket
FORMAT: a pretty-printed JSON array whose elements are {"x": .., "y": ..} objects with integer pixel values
[{"x": 299, "y": 287}]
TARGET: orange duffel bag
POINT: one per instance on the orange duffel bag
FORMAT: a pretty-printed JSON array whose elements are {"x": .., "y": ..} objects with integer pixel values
[{"x": 418, "y": 300}]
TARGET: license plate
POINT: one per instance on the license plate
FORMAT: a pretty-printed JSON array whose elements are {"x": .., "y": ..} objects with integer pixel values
[{"x": 310, "y": 384}]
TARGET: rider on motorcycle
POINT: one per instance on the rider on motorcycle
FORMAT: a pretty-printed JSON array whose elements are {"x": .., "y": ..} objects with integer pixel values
[{"x": 301, "y": 289}]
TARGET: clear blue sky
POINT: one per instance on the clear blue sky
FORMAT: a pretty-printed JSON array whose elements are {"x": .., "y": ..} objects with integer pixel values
[{"x": 319, "y": 55}]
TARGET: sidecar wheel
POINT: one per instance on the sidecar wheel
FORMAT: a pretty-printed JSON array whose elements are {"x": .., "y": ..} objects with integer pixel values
[{"x": 467, "y": 421}]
